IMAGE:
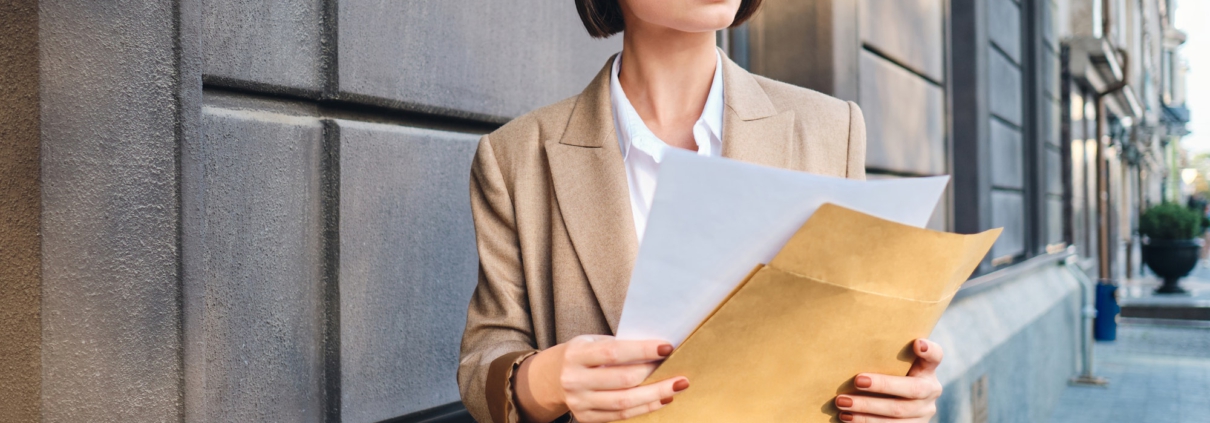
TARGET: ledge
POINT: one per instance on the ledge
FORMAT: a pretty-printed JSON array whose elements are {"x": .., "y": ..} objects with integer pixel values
[{"x": 991, "y": 280}]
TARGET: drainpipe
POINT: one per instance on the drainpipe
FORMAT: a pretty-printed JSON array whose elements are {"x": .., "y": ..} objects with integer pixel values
[
  {"x": 1088, "y": 312},
  {"x": 1103, "y": 169}
]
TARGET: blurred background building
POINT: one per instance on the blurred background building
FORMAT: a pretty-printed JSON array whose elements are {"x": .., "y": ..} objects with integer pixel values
[{"x": 227, "y": 210}]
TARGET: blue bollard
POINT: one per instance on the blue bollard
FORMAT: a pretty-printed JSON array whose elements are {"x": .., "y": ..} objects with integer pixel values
[{"x": 1106, "y": 326}]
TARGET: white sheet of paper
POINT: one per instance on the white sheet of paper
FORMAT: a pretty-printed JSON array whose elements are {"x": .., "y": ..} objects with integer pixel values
[{"x": 713, "y": 220}]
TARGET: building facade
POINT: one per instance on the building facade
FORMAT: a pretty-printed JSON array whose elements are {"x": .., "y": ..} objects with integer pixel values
[{"x": 224, "y": 210}]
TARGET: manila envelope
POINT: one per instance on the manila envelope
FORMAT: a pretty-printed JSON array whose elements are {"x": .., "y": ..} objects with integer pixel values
[{"x": 847, "y": 294}]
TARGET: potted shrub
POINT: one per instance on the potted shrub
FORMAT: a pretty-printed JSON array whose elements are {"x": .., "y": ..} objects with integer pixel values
[{"x": 1170, "y": 243}]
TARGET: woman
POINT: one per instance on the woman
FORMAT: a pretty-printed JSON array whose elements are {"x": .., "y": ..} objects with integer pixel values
[{"x": 560, "y": 197}]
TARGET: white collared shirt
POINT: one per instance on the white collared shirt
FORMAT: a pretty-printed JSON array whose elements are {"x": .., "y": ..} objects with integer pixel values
[{"x": 642, "y": 151}]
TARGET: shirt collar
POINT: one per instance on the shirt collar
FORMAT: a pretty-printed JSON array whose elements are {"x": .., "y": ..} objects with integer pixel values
[{"x": 631, "y": 129}]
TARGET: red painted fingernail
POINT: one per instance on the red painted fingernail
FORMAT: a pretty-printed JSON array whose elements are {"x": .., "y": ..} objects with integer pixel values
[
  {"x": 924, "y": 346},
  {"x": 680, "y": 385},
  {"x": 664, "y": 350},
  {"x": 848, "y": 417},
  {"x": 666, "y": 401},
  {"x": 844, "y": 402},
  {"x": 863, "y": 382}
]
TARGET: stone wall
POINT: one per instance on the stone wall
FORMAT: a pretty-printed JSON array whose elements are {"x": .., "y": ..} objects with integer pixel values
[
  {"x": 328, "y": 195},
  {"x": 258, "y": 211},
  {"x": 111, "y": 115},
  {"x": 20, "y": 206}
]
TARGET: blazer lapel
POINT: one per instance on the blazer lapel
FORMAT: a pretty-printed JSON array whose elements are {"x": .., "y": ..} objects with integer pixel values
[
  {"x": 753, "y": 130},
  {"x": 594, "y": 196}
]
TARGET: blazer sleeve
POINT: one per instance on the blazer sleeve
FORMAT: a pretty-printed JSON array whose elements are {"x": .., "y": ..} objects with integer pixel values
[
  {"x": 856, "y": 156},
  {"x": 499, "y": 330}
]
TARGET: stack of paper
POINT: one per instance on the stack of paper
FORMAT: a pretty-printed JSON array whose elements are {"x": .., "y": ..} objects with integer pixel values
[
  {"x": 713, "y": 220},
  {"x": 847, "y": 294}
]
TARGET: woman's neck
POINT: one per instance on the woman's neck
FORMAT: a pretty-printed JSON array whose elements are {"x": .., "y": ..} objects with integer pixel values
[{"x": 666, "y": 75}]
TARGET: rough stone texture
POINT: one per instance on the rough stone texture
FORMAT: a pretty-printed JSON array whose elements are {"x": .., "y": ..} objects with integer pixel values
[
  {"x": 407, "y": 267},
  {"x": 905, "y": 119},
  {"x": 1022, "y": 335},
  {"x": 502, "y": 60},
  {"x": 111, "y": 324},
  {"x": 811, "y": 44},
  {"x": 910, "y": 31},
  {"x": 1007, "y": 152},
  {"x": 275, "y": 45},
  {"x": 254, "y": 214},
  {"x": 1004, "y": 98},
  {"x": 20, "y": 209},
  {"x": 1008, "y": 212},
  {"x": 1004, "y": 27}
]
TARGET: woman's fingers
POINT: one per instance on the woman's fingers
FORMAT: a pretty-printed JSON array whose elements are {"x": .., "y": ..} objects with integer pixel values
[
  {"x": 870, "y": 418},
  {"x": 607, "y": 406},
  {"x": 886, "y": 407},
  {"x": 928, "y": 357},
  {"x": 595, "y": 416},
  {"x": 605, "y": 352},
  {"x": 625, "y": 399},
  {"x": 608, "y": 378},
  {"x": 908, "y": 387}
]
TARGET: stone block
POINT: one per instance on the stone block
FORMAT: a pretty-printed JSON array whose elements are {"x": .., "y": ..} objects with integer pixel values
[
  {"x": 1050, "y": 24},
  {"x": 254, "y": 229},
  {"x": 1004, "y": 87},
  {"x": 109, "y": 107},
  {"x": 1007, "y": 156},
  {"x": 1048, "y": 115},
  {"x": 1054, "y": 171},
  {"x": 479, "y": 59},
  {"x": 940, "y": 219},
  {"x": 1050, "y": 72},
  {"x": 273, "y": 45},
  {"x": 910, "y": 31},
  {"x": 1054, "y": 219},
  {"x": 1004, "y": 27},
  {"x": 408, "y": 265},
  {"x": 905, "y": 118},
  {"x": 1008, "y": 212}
]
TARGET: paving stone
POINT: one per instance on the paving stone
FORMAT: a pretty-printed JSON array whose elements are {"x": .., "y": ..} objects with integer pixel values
[
  {"x": 408, "y": 265},
  {"x": 1155, "y": 373}
]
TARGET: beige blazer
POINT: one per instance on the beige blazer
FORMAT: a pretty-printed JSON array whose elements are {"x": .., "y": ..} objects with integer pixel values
[{"x": 552, "y": 216}]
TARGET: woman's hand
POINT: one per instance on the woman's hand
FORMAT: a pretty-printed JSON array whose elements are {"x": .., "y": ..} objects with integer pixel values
[
  {"x": 596, "y": 378},
  {"x": 912, "y": 398}
]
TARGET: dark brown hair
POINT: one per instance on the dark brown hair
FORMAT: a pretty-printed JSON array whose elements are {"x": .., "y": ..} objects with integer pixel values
[{"x": 603, "y": 18}]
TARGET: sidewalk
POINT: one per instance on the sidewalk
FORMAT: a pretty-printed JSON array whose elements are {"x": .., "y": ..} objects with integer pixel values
[{"x": 1156, "y": 371}]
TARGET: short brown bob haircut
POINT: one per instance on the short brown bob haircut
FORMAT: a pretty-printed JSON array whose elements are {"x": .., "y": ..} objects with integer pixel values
[{"x": 603, "y": 18}]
